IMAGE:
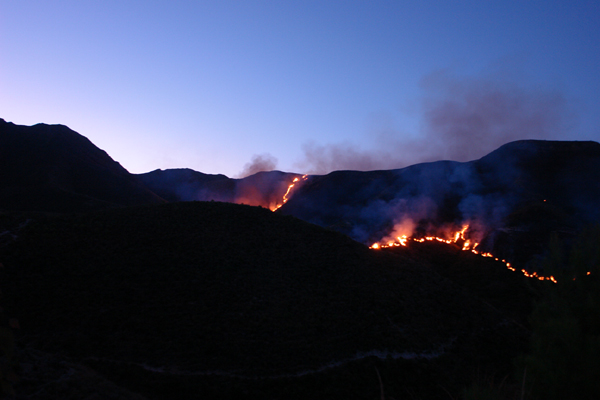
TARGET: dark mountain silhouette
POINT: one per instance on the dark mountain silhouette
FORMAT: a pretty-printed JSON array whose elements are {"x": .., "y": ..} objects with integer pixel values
[
  {"x": 231, "y": 301},
  {"x": 54, "y": 169},
  {"x": 514, "y": 198},
  {"x": 189, "y": 185},
  {"x": 234, "y": 301},
  {"x": 264, "y": 189}
]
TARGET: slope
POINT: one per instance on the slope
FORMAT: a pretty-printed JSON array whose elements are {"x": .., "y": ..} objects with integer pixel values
[
  {"x": 52, "y": 168},
  {"x": 515, "y": 198},
  {"x": 237, "y": 301},
  {"x": 261, "y": 189}
]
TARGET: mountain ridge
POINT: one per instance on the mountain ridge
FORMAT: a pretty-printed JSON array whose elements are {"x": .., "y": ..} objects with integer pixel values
[
  {"x": 263, "y": 189},
  {"x": 173, "y": 299},
  {"x": 513, "y": 199},
  {"x": 541, "y": 187},
  {"x": 52, "y": 168}
]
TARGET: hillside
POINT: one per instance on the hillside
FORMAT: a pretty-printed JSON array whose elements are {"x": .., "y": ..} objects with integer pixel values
[
  {"x": 264, "y": 189},
  {"x": 51, "y": 168},
  {"x": 113, "y": 292},
  {"x": 514, "y": 198},
  {"x": 235, "y": 301}
]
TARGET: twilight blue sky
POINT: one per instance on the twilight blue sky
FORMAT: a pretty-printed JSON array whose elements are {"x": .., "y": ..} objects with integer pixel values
[{"x": 302, "y": 86}]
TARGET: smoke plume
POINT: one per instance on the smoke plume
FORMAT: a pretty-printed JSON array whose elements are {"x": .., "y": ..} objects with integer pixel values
[
  {"x": 466, "y": 119},
  {"x": 462, "y": 119},
  {"x": 260, "y": 162},
  {"x": 321, "y": 159}
]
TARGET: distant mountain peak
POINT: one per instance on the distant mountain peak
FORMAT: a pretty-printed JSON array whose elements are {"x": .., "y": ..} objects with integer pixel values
[{"x": 53, "y": 168}]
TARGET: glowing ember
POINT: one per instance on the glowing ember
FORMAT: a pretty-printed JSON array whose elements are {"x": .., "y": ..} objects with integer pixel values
[
  {"x": 460, "y": 235},
  {"x": 285, "y": 196}
]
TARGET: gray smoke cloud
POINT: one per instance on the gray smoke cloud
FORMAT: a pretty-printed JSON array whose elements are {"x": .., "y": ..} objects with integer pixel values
[
  {"x": 462, "y": 119},
  {"x": 259, "y": 162},
  {"x": 321, "y": 159},
  {"x": 468, "y": 118}
]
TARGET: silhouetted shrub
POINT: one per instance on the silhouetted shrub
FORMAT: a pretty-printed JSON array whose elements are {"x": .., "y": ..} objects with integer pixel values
[{"x": 564, "y": 360}]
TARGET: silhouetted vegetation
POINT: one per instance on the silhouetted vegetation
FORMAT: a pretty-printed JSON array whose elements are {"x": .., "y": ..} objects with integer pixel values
[
  {"x": 228, "y": 301},
  {"x": 564, "y": 360},
  {"x": 8, "y": 359},
  {"x": 236, "y": 301}
]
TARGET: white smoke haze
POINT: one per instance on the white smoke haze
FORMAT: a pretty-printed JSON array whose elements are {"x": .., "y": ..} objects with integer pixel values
[
  {"x": 408, "y": 227},
  {"x": 259, "y": 163},
  {"x": 462, "y": 119},
  {"x": 468, "y": 118},
  {"x": 321, "y": 159},
  {"x": 405, "y": 227}
]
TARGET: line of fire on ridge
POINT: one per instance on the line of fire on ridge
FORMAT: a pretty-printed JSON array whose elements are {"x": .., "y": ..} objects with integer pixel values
[
  {"x": 459, "y": 235},
  {"x": 285, "y": 196},
  {"x": 404, "y": 239}
]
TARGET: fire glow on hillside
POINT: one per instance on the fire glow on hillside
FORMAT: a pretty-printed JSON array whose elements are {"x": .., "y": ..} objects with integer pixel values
[
  {"x": 285, "y": 196},
  {"x": 457, "y": 237}
]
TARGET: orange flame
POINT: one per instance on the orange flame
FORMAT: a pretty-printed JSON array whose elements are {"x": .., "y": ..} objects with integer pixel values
[
  {"x": 460, "y": 235},
  {"x": 402, "y": 239},
  {"x": 285, "y": 196}
]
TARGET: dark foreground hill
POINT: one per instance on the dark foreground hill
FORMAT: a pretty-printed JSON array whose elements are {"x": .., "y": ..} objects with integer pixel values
[
  {"x": 216, "y": 300},
  {"x": 51, "y": 168}
]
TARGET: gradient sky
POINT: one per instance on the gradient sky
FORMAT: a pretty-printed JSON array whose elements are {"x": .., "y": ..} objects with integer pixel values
[{"x": 301, "y": 86}]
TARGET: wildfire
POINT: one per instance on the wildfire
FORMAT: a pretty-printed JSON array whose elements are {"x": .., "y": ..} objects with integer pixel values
[
  {"x": 466, "y": 246},
  {"x": 461, "y": 234},
  {"x": 285, "y": 196}
]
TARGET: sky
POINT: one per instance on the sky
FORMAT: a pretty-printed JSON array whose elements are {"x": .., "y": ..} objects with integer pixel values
[{"x": 233, "y": 87}]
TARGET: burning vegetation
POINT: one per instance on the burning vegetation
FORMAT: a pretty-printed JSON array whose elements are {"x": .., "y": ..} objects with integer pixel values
[
  {"x": 457, "y": 238},
  {"x": 286, "y": 194},
  {"x": 463, "y": 237}
]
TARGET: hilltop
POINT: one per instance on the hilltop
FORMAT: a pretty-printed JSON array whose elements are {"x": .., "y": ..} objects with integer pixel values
[
  {"x": 264, "y": 189},
  {"x": 122, "y": 286},
  {"x": 51, "y": 168},
  {"x": 514, "y": 199}
]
